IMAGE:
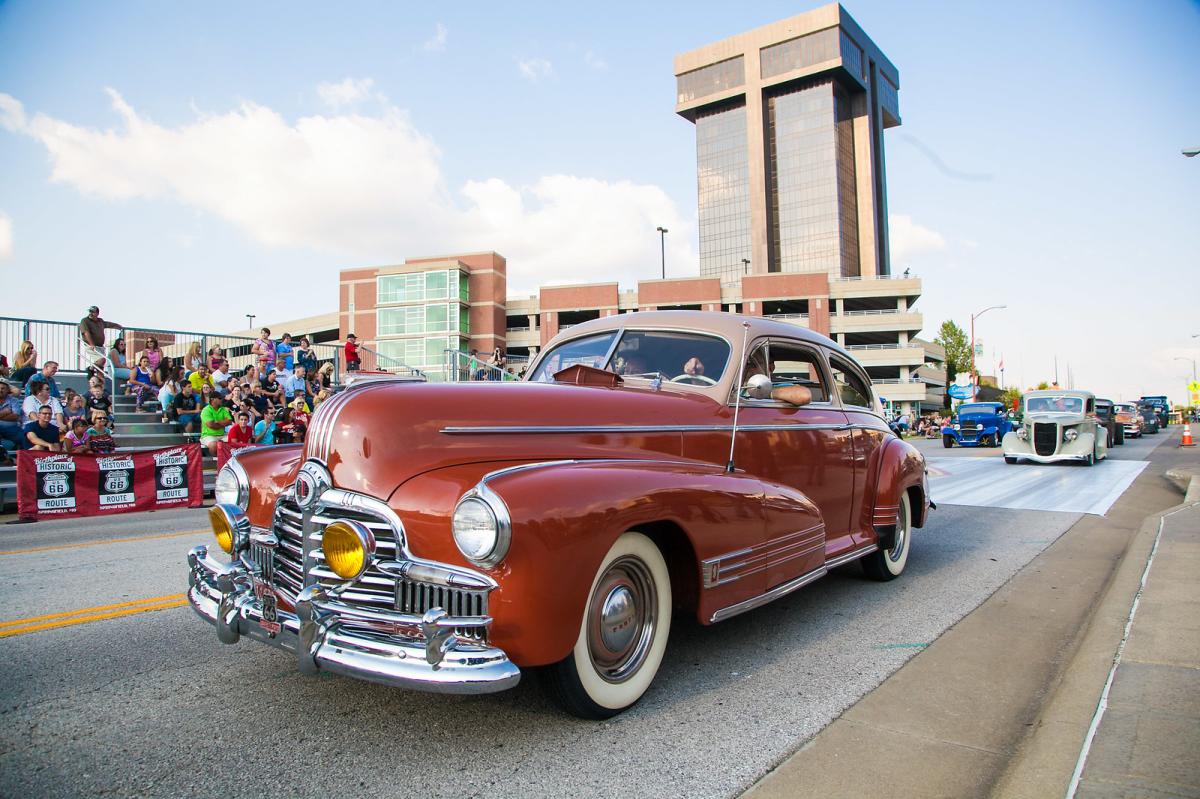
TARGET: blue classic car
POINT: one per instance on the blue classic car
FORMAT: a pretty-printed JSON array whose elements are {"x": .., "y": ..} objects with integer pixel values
[{"x": 978, "y": 424}]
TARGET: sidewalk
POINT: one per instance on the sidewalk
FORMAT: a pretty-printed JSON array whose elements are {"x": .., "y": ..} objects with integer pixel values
[
  {"x": 1147, "y": 742},
  {"x": 1003, "y": 702}
]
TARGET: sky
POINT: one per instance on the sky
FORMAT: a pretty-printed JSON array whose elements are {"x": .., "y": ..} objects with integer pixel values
[{"x": 183, "y": 165}]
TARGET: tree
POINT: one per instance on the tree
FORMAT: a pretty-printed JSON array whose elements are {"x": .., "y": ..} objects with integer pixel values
[
  {"x": 1011, "y": 397},
  {"x": 953, "y": 339}
]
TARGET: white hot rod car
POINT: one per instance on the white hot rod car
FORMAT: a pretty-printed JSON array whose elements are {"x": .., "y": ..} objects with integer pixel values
[{"x": 1058, "y": 425}]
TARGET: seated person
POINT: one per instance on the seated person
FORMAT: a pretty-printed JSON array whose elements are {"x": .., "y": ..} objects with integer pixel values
[
  {"x": 781, "y": 391},
  {"x": 42, "y": 434},
  {"x": 77, "y": 441},
  {"x": 100, "y": 437}
]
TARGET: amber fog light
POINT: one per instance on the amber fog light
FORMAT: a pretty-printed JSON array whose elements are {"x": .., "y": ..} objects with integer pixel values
[
  {"x": 348, "y": 547},
  {"x": 230, "y": 526}
]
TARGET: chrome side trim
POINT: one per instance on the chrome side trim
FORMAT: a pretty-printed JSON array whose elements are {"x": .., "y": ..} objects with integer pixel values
[
  {"x": 732, "y": 566},
  {"x": 791, "y": 585},
  {"x": 672, "y": 428}
]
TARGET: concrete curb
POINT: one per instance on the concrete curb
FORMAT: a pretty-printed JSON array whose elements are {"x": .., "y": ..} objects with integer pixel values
[{"x": 1045, "y": 760}]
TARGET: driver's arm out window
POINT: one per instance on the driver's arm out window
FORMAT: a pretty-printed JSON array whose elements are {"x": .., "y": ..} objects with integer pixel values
[{"x": 796, "y": 366}]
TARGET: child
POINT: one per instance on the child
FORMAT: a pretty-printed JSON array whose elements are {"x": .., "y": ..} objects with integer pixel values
[
  {"x": 77, "y": 441},
  {"x": 299, "y": 420},
  {"x": 97, "y": 403},
  {"x": 99, "y": 438},
  {"x": 240, "y": 434},
  {"x": 76, "y": 409}
]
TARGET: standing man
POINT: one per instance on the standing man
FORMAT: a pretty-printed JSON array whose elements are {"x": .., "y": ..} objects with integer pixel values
[
  {"x": 284, "y": 350},
  {"x": 91, "y": 340},
  {"x": 352, "y": 359},
  {"x": 213, "y": 421}
]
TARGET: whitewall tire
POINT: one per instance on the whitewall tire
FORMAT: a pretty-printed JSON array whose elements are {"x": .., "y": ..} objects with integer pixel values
[
  {"x": 622, "y": 635},
  {"x": 888, "y": 564}
]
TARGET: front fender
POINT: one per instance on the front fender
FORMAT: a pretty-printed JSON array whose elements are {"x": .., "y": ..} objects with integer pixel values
[
  {"x": 270, "y": 470},
  {"x": 566, "y": 516}
]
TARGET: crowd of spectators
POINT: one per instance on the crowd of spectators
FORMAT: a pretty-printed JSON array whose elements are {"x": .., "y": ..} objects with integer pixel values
[{"x": 268, "y": 402}]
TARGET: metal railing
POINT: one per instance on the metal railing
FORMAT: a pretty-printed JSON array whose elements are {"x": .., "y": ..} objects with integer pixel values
[
  {"x": 875, "y": 312},
  {"x": 463, "y": 366},
  {"x": 902, "y": 276},
  {"x": 786, "y": 316},
  {"x": 852, "y": 347},
  {"x": 59, "y": 341},
  {"x": 372, "y": 361}
]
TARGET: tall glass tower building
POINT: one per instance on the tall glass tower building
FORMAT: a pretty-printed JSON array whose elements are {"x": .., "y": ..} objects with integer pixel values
[{"x": 789, "y": 148}]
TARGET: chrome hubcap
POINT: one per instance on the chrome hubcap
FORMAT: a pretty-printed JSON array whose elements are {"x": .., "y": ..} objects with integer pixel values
[{"x": 621, "y": 620}]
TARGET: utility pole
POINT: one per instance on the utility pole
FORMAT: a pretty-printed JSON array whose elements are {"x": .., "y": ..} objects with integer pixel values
[
  {"x": 250, "y": 318},
  {"x": 974, "y": 374},
  {"x": 663, "y": 241}
]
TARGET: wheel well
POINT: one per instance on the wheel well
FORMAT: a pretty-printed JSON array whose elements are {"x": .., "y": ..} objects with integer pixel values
[
  {"x": 680, "y": 556},
  {"x": 916, "y": 505}
]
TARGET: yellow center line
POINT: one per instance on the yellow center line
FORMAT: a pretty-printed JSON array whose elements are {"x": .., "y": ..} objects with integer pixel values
[
  {"x": 86, "y": 615},
  {"x": 104, "y": 542}
]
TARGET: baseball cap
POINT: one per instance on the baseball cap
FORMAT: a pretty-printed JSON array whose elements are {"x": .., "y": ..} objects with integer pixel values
[
  {"x": 351, "y": 335},
  {"x": 93, "y": 308}
]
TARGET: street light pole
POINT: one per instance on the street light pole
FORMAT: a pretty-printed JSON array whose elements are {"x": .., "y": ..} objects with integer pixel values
[
  {"x": 1193, "y": 360},
  {"x": 663, "y": 240},
  {"x": 250, "y": 317},
  {"x": 745, "y": 266},
  {"x": 974, "y": 316}
]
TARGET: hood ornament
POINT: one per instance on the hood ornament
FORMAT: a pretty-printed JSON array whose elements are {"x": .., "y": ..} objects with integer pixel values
[{"x": 312, "y": 481}]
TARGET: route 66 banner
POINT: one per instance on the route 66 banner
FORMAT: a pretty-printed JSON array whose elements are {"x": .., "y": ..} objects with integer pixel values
[{"x": 54, "y": 485}]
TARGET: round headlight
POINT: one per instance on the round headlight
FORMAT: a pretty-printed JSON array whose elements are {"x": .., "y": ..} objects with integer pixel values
[
  {"x": 348, "y": 547},
  {"x": 1023, "y": 433},
  {"x": 230, "y": 526},
  {"x": 476, "y": 529},
  {"x": 1071, "y": 434},
  {"x": 956, "y": 427},
  {"x": 232, "y": 486}
]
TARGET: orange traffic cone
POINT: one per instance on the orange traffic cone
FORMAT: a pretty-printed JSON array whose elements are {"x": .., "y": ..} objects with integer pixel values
[{"x": 1187, "y": 437}]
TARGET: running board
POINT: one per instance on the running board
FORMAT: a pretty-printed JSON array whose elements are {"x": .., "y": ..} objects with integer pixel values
[{"x": 791, "y": 585}]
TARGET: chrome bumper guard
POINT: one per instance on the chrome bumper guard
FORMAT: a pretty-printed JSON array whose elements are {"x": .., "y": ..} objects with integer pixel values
[{"x": 328, "y": 635}]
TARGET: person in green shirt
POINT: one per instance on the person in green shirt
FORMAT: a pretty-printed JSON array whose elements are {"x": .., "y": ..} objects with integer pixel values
[{"x": 213, "y": 421}]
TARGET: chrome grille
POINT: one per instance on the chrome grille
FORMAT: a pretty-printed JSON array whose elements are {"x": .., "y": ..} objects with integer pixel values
[
  {"x": 1045, "y": 438},
  {"x": 969, "y": 428},
  {"x": 264, "y": 560},
  {"x": 374, "y": 588}
]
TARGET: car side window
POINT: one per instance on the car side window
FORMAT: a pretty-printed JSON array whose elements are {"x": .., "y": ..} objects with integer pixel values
[
  {"x": 850, "y": 386},
  {"x": 788, "y": 365}
]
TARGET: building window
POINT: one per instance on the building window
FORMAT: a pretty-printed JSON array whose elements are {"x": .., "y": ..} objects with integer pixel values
[
  {"x": 889, "y": 97},
  {"x": 711, "y": 79},
  {"x": 812, "y": 189},
  {"x": 805, "y": 51},
  {"x": 441, "y": 284},
  {"x": 723, "y": 174},
  {"x": 439, "y": 317},
  {"x": 852, "y": 57}
]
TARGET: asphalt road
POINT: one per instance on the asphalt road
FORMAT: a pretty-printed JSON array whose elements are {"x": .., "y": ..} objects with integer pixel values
[{"x": 148, "y": 702}]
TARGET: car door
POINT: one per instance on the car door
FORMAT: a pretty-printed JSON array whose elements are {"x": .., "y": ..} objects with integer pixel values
[
  {"x": 808, "y": 448},
  {"x": 870, "y": 433}
]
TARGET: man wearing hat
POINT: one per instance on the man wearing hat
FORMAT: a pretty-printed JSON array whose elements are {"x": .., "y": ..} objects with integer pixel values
[
  {"x": 352, "y": 359},
  {"x": 91, "y": 339}
]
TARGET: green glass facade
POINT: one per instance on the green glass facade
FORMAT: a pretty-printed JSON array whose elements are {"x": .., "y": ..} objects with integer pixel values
[{"x": 419, "y": 315}]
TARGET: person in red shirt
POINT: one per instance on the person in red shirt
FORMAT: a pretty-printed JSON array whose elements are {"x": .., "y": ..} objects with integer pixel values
[
  {"x": 352, "y": 359},
  {"x": 241, "y": 434}
]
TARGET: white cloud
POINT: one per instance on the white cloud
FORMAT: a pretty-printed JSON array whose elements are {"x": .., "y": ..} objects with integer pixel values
[
  {"x": 594, "y": 61},
  {"x": 12, "y": 114},
  {"x": 908, "y": 239},
  {"x": 6, "y": 235},
  {"x": 346, "y": 93},
  {"x": 437, "y": 42},
  {"x": 368, "y": 189},
  {"x": 535, "y": 69}
]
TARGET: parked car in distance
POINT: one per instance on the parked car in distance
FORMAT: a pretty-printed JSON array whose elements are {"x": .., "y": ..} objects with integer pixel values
[
  {"x": 1130, "y": 419},
  {"x": 1161, "y": 405},
  {"x": 649, "y": 463},
  {"x": 977, "y": 424},
  {"x": 1057, "y": 425},
  {"x": 1150, "y": 422},
  {"x": 1107, "y": 414}
]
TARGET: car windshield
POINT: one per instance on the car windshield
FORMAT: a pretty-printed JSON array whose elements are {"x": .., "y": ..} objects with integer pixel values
[
  {"x": 976, "y": 408},
  {"x": 680, "y": 357},
  {"x": 1054, "y": 405},
  {"x": 1126, "y": 409}
]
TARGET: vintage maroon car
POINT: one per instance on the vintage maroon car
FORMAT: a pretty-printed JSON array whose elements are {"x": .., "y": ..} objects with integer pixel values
[{"x": 444, "y": 537}]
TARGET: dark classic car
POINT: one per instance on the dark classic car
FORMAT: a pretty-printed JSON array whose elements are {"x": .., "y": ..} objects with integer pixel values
[
  {"x": 654, "y": 462},
  {"x": 1150, "y": 419},
  {"x": 977, "y": 424},
  {"x": 1161, "y": 406},
  {"x": 1106, "y": 413}
]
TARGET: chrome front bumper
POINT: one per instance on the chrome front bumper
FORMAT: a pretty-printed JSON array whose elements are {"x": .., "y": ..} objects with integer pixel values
[{"x": 328, "y": 635}]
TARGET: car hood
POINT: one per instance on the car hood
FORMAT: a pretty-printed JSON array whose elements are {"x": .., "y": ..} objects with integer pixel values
[{"x": 376, "y": 437}]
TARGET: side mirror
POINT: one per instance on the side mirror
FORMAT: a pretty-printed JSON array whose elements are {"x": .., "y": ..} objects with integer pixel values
[{"x": 757, "y": 387}]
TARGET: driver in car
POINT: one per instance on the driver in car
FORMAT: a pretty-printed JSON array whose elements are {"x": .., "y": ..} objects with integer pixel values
[{"x": 780, "y": 390}]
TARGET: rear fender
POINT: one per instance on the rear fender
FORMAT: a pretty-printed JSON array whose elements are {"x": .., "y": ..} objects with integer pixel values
[
  {"x": 565, "y": 516},
  {"x": 902, "y": 469}
]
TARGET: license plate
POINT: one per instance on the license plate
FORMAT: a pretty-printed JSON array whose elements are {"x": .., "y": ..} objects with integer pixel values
[{"x": 270, "y": 607}]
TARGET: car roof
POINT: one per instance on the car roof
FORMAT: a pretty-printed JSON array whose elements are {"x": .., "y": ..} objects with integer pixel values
[{"x": 1061, "y": 392}]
